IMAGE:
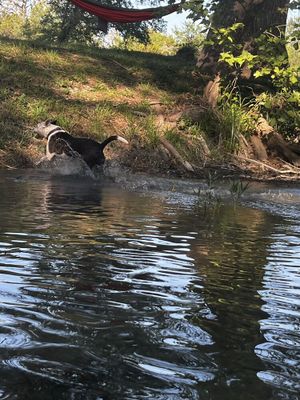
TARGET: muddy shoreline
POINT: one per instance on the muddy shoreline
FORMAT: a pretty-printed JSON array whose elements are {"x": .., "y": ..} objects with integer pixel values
[{"x": 152, "y": 165}]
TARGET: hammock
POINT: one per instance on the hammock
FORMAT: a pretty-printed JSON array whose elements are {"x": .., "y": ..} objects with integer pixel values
[{"x": 123, "y": 15}]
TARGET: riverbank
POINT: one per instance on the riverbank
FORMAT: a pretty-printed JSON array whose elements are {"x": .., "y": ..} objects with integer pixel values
[{"x": 152, "y": 100}]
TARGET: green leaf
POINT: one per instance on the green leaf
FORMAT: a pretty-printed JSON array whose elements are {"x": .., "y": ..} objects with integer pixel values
[
  {"x": 257, "y": 74},
  {"x": 294, "y": 79}
]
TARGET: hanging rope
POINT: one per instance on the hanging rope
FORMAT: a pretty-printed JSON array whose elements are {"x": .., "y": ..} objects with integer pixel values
[{"x": 123, "y": 15}]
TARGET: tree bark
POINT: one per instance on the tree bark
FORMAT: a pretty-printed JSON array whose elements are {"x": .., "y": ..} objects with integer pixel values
[{"x": 257, "y": 16}]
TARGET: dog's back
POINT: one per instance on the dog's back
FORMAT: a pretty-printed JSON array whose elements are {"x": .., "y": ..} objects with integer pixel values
[{"x": 89, "y": 149}]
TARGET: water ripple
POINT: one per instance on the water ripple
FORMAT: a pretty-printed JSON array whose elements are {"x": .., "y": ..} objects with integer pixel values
[{"x": 282, "y": 304}]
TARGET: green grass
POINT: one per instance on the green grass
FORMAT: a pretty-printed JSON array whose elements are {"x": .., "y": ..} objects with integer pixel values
[{"x": 91, "y": 92}]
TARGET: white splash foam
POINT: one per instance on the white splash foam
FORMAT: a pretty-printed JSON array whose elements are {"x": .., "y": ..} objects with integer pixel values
[{"x": 64, "y": 165}]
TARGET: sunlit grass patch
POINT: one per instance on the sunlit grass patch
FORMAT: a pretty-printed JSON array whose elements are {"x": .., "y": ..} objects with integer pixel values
[
  {"x": 101, "y": 120},
  {"x": 49, "y": 59},
  {"x": 146, "y": 89},
  {"x": 38, "y": 109},
  {"x": 145, "y": 128}
]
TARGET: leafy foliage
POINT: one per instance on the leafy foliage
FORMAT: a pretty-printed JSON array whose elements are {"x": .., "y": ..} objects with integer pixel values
[
  {"x": 204, "y": 11},
  {"x": 187, "y": 38},
  {"x": 282, "y": 111},
  {"x": 11, "y": 25},
  {"x": 224, "y": 125},
  {"x": 66, "y": 23},
  {"x": 189, "y": 34},
  {"x": 270, "y": 68},
  {"x": 159, "y": 43},
  {"x": 32, "y": 27}
]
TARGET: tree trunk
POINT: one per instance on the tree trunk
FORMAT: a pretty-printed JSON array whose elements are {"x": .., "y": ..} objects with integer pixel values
[{"x": 257, "y": 16}]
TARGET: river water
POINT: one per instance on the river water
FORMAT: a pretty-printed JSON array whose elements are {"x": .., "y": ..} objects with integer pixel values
[{"x": 147, "y": 289}]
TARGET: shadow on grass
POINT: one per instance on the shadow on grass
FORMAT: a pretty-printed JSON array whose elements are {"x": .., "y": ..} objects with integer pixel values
[{"x": 169, "y": 73}]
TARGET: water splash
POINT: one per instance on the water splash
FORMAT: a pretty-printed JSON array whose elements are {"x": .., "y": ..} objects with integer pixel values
[{"x": 62, "y": 165}]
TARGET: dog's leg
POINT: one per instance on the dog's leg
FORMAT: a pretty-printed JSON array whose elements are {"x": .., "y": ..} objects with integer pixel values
[
  {"x": 43, "y": 159},
  {"x": 49, "y": 155}
]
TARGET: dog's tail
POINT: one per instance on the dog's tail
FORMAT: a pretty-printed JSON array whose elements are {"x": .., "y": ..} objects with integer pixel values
[{"x": 111, "y": 138}]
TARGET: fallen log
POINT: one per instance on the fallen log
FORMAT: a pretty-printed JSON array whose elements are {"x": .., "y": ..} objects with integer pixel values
[
  {"x": 277, "y": 144},
  {"x": 258, "y": 148},
  {"x": 269, "y": 167},
  {"x": 171, "y": 149},
  {"x": 212, "y": 91}
]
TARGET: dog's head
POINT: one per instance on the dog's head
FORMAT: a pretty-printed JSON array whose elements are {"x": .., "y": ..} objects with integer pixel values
[{"x": 44, "y": 128}]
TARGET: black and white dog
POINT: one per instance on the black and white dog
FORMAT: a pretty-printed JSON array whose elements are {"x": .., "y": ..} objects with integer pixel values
[{"x": 60, "y": 142}]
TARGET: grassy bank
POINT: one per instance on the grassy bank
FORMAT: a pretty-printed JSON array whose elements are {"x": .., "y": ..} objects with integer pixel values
[
  {"x": 144, "y": 97},
  {"x": 92, "y": 93}
]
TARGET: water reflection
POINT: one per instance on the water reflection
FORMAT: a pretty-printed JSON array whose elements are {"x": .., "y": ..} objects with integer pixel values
[
  {"x": 111, "y": 294},
  {"x": 281, "y": 289}
]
